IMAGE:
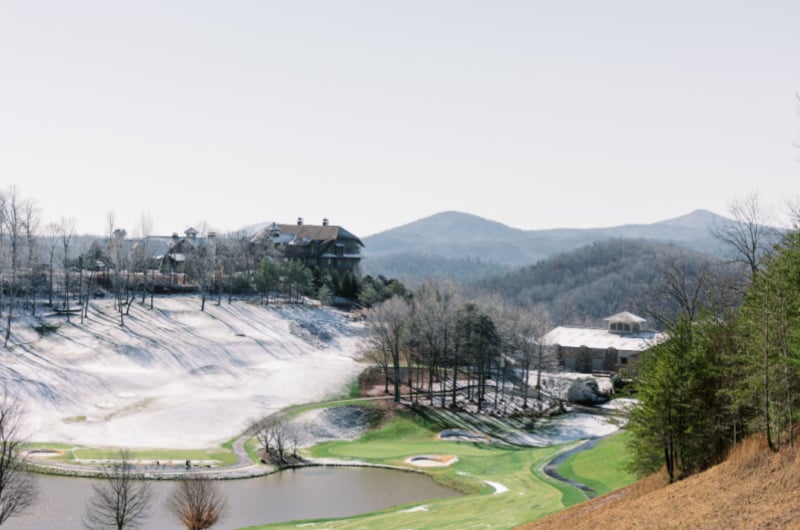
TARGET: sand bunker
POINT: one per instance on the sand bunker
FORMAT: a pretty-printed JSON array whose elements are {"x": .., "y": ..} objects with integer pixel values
[
  {"x": 43, "y": 453},
  {"x": 432, "y": 460}
]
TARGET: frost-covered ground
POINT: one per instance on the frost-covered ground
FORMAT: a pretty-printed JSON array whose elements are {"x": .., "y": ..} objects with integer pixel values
[
  {"x": 552, "y": 428},
  {"x": 175, "y": 376}
]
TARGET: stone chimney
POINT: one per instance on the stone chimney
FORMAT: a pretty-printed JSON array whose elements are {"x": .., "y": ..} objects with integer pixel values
[
  {"x": 299, "y": 221},
  {"x": 325, "y": 221}
]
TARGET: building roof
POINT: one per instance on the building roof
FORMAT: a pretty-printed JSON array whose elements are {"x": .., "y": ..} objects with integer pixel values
[
  {"x": 302, "y": 234},
  {"x": 626, "y": 317},
  {"x": 602, "y": 339}
]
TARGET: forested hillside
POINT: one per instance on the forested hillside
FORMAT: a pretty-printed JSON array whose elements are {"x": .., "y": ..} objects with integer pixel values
[
  {"x": 412, "y": 268},
  {"x": 470, "y": 246},
  {"x": 597, "y": 280}
]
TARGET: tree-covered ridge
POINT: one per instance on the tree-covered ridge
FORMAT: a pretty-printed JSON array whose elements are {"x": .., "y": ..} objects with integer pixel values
[
  {"x": 457, "y": 235},
  {"x": 600, "y": 279},
  {"x": 413, "y": 267}
]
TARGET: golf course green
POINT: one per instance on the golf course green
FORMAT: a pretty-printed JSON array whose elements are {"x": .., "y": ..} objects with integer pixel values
[{"x": 504, "y": 486}]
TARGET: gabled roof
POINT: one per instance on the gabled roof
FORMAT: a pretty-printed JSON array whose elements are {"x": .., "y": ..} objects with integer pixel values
[
  {"x": 626, "y": 317},
  {"x": 307, "y": 233}
]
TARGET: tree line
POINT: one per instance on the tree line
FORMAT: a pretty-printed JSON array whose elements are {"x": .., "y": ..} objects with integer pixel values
[
  {"x": 731, "y": 367},
  {"x": 52, "y": 266},
  {"x": 583, "y": 286},
  {"x": 440, "y": 347}
]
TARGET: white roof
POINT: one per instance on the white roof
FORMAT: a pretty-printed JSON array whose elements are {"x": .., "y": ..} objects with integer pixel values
[
  {"x": 626, "y": 317},
  {"x": 602, "y": 339}
]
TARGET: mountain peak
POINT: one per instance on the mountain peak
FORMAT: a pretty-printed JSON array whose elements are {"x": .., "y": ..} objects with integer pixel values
[
  {"x": 699, "y": 219},
  {"x": 457, "y": 225}
]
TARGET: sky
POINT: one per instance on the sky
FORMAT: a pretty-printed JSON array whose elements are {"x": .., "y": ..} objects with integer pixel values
[{"x": 374, "y": 114}]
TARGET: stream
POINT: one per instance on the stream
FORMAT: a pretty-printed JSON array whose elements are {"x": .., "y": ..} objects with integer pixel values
[{"x": 551, "y": 468}]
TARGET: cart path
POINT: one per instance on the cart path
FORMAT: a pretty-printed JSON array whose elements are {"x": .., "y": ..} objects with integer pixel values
[{"x": 244, "y": 467}]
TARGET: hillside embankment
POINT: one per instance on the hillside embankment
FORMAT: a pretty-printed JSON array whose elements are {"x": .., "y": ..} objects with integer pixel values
[
  {"x": 173, "y": 376},
  {"x": 753, "y": 488}
]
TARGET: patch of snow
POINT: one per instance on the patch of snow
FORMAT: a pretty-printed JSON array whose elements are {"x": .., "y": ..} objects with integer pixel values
[
  {"x": 174, "y": 376},
  {"x": 498, "y": 488},
  {"x": 337, "y": 423},
  {"x": 622, "y": 404},
  {"x": 421, "y": 508},
  {"x": 566, "y": 428}
]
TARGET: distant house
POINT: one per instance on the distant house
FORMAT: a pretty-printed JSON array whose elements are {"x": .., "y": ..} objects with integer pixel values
[
  {"x": 325, "y": 246},
  {"x": 178, "y": 249},
  {"x": 589, "y": 350}
]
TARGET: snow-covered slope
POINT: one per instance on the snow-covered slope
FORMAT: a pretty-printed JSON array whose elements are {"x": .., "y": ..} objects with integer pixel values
[{"x": 175, "y": 376}]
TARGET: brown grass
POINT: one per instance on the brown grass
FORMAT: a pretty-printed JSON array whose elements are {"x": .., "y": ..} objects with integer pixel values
[{"x": 753, "y": 488}]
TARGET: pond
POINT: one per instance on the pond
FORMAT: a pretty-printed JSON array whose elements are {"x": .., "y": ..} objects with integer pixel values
[{"x": 316, "y": 492}]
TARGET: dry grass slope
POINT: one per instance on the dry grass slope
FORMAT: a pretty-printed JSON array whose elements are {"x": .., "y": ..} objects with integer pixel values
[{"x": 754, "y": 488}]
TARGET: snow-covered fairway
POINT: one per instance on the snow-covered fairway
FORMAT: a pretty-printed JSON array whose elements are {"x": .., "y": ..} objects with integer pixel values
[{"x": 175, "y": 376}]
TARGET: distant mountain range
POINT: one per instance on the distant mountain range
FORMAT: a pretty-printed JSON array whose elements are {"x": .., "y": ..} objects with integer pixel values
[{"x": 458, "y": 241}]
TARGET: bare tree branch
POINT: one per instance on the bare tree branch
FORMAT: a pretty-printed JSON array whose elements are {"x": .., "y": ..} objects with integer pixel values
[
  {"x": 196, "y": 502},
  {"x": 120, "y": 501},
  {"x": 17, "y": 488},
  {"x": 748, "y": 234}
]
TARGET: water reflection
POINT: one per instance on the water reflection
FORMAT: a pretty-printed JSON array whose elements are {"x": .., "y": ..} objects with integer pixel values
[{"x": 302, "y": 494}]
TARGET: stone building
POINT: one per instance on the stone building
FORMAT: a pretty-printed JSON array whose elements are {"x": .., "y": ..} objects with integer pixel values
[{"x": 589, "y": 350}]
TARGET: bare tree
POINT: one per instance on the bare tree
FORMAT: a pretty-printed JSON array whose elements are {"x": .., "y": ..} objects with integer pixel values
[
  {"x": 146, "y": 227},
  {"x": 17, "y": 488},
  {"x": 388, "y": 323},
  {"x": 294, "y": 437},
  {"x": 273, "y": 435},
  {"x": 433, "y": 329},
  {"x": 196, "y": 502},
  {"x": 120, "y": 500},
  {"x": 67, "y": 232},
  {"x": 523, "y": 332},
  {"x": 380, "y": 355},
  {"x": 31, "y": 225},
  {"x": 12, "y": 218},
  {"x": 748, "y": 234},
  {"x": 202, "y": 263},
  {"x": 18, "y": 218},
  {"x": 119, "y": 259},
  {"x": 51, "y": 234}
]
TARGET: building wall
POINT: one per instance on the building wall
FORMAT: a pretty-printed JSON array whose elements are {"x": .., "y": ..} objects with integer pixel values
[{"x": 586, "y": 360}]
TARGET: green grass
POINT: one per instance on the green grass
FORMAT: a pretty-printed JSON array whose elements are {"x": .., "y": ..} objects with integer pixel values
[
  {"x": 252, "y": 446},
  {"x": 602, "y": 468},
  {"x": 531, "y": 494},
  {"x": 223, "y": 456},
  {"x": 353, "y": 390}
]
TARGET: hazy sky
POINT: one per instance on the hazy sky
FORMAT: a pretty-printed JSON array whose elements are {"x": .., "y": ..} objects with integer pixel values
[{"x": 375, "y": 113}]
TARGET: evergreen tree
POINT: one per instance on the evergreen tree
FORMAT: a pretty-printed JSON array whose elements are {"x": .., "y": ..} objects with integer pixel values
[
  {"x": 267, "y": 278},
  {"x": 769, "y": 325},
  {"x": 674, "y": 421}
]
